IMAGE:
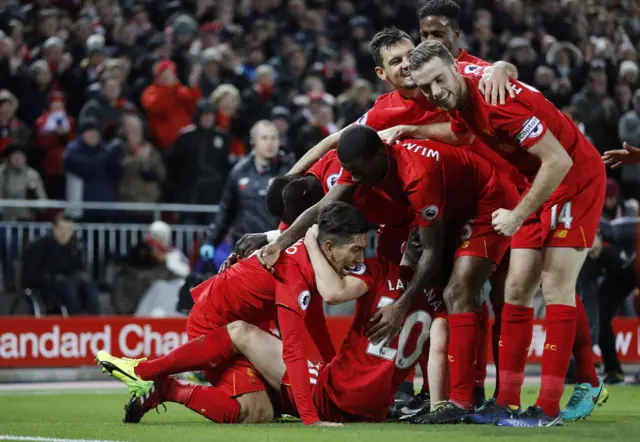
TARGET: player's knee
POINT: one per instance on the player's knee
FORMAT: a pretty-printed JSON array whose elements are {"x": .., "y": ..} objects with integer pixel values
[
  {"x": 239, "y": 332},
  {"x": 557, "y": 290},
  {"x": 518, "y": 292},
  {"x": 255, "y": 408},
  {"x": 458, "y": 297}
]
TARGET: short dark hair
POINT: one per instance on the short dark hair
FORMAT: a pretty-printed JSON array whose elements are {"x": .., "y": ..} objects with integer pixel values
[
  {"x": 428, "y": 50},
  {"x": 60, "y": 217},
  {"x": 338, "y": 222},
  {"x": 358, "y": 142},
  {"x": 275, "y": 203},
  {"x": 441, "y": 8},
  {"x": 384, "y": 40},
  {"x": 298, "y": 196}
]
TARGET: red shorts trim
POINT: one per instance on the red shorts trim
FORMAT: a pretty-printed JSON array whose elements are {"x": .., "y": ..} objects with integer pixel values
[{"x": 569, "y": 218}]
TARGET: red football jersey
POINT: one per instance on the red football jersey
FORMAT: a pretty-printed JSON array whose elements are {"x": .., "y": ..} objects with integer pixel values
[
  {"x": 436, "y": 179},
  {"x": 363, "y": 378},
  {"x": 514, "y": 127},
  {"x": 248, "y": 292},
  {"x": 376, "y": 206},
  {"x": 465, "y": 57}
]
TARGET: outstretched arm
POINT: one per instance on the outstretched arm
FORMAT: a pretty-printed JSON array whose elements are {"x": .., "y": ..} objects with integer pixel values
[{"x": 315, "y": 153}]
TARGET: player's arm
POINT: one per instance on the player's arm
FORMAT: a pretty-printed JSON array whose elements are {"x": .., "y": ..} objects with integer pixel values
[
  {"x": 509, "y": 69},
  {"x": 390, "y": 318},
  {"x": 315, "y": 153},
  {"x": 437, "y": 131},
  {"x": 332, "y": 288},
  {"x": 555, "y": 164},
  {"x": 292, "y": 327}
]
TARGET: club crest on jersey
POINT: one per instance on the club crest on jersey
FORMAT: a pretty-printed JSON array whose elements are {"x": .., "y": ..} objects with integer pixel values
[
  {"x": 358, "y": 270},
  {"x": 430, "y": 213},
  {"x": 332, "y": 180},
  {"x": 363, "y": 119},
  {"x": 304, "y": 299},
  {"x": 532, "y": 128}
]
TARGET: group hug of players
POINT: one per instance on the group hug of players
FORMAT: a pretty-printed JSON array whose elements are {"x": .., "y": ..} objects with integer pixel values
[{"x": 471, "y": 176}]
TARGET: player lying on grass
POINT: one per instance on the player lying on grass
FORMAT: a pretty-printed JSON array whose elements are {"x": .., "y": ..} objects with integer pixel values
[
  {"x": 249, "y": 293},
  {"x": 359, "y": 383},
  {"x": 553, "y": 225}
]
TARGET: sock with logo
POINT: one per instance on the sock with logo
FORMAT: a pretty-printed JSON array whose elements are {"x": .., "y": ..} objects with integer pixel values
[
  {"x": 204, "y": 351},
  {"x": 210, "y": 402},
  {"x": 583, "y": 348},
  {"x": 463, "y": 330},
  {"x": 517, "y": 330},
  {"x": 482, "y": 353},
  {"x": 560, "y": 325}
]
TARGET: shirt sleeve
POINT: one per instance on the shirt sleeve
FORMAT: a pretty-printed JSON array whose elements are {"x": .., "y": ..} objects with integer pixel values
[
  {"x": 426, "y": 195},
  {"x": 372, "y": 118},
  {"x": 345, "y": 178},
  {"x": 517, "y": 119},
  {"x": 317, "y": 328},
  {"x": 295, "y": 359},
  {"x": 368, "y": 272},
  {"x": 317, "y": 169},
  {"x": 457, "y": 126}
]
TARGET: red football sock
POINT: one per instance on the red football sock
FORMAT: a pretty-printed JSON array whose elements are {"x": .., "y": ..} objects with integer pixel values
[
  {"x": 482, "y": 349},
  {"x": 211, "y": 402},
  {"x": 517, "y": 330},
  {"x": 560, "y": 325},
  {"x": 583, "y": 349},
  {"x": 495, "y": 343},
  {"x": 462, "y": 340},
  {"x": 204, "y": 351},
  {"x": 411, "y": 375}
]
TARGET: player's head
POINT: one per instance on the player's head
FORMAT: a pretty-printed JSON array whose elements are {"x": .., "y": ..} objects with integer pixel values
[
  {"x": 440, "y": 20},
  {"x": 275, "y": 203},
  {"x": 342, "y": 235},
  {"x": 437, "y": 75},
  {"x": 299, "y": 195},
  {"x": 362, "y": 152},
  {"x": 390, "y": 49}
]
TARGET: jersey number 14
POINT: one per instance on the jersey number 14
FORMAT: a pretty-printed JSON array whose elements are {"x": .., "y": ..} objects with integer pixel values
[{"x": 403, "y": 361}]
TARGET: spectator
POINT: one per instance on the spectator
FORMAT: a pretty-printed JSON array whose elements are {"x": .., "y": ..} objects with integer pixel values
[
  {"x": 629, "y": 131},
  {"x": 597, "y": 110},
  {"x": 226, "y": 98},
  {"x": 35, "y": 87},
  {"x": 12, "y": 130},
  {"x": 262, "y": 97},
  {"x": 149, "y": 261},
  {"x": 108, "y": 108},
  {"x": 210, "y": 79},
  {"x": 612, "y": 202},
  {"x": 18, "y": 181},
  {"x": 281, "y": 116},
  {"x": 169, "y": 105},
  {"x": 95, "y": 164},
  {"x": 243, "y": 207},
  {"x": 320, "y": 127},
  {"x": 142, "y": 168},
  {"x": 53, "y": 264},
  {"x": 54, "y": 130},
  {"x": 199, "y": 162},
  {"x": 355, "y": 102}
]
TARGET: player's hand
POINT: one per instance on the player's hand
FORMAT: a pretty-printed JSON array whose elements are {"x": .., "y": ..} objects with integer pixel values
[
  {"x": 249, "y": 243},
  {"x": 326, "y": 424},
  {"x": 506, "y": 222},
  {"x": 231, "y": 260},
  {"x": 389, "y": 321},
  {"x": 620, "y": 157},
  {"x": 268, "y": 255},
  {"x": 495, "y": 86},
  {"x": 393, "y": 134},
  {"x": 311, "y": 237}
]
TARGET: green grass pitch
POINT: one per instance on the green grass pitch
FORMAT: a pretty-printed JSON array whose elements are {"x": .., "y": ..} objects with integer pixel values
[{"x": 98, "y": 416}]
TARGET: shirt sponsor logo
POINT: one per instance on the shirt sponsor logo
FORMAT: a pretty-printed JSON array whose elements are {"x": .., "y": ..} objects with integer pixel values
[
  {"x": 430, "y": 213},
  {"x": 358, "y": 270},
  {"x": 304, "y": 299},
  {"x": 532, "y": 128}
]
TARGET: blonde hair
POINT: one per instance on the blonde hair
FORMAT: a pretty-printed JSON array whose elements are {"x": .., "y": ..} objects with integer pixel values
[
  {"x": 264, "y": 69},
  {"x": 223, "y": 91}
]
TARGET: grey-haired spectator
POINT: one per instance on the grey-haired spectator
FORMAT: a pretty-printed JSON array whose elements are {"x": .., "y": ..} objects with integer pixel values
[
  {"x": 12, "y": 130},
  {"x": 211, "y": 71},
  {"x": 628, "y": 73},
  {"x": 281, "y": 117},
  {"x": 35, "y": 86},
  {"x": 18, "y": 181}
]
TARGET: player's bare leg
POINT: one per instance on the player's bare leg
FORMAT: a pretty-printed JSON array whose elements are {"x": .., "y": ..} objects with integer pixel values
[
  {"x": 438, "y": 364},
  {"x": 461, "y": 296}
]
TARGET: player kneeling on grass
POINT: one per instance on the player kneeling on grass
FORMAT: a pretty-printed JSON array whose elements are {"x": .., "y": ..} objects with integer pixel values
[
  {"x": 247, "y": 292},
  {"x": 358, "y": 385}
]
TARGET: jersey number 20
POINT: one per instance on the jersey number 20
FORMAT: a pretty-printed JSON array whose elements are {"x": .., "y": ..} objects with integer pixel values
[{"x": 403, "y": 361}]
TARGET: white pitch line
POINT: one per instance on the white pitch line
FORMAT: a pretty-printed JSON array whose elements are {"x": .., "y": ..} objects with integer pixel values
[{"x": 48, "y": 439}]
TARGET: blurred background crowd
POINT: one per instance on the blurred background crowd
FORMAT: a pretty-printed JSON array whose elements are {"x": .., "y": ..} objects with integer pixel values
[{"x": 204, "y": 101}]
